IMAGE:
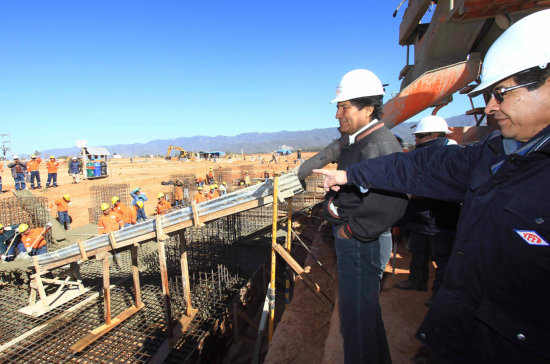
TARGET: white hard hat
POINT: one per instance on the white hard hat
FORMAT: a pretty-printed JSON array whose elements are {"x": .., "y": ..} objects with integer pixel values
[
  {"x": 522, "y": 46},
  {"x": 358, "y": 83},
  {"x": 432, "y": 124},
  {"x": 15, "y": 156}
]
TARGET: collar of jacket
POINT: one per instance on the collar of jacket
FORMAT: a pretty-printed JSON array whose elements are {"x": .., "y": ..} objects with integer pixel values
[
  {"x": 541, "y": 142},
  {"x": 364, "y": 131}
]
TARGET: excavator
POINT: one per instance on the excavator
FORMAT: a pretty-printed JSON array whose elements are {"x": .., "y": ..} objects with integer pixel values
[
  {"x": 447, "y": 56},
  {"x": 183, "y": 153}
]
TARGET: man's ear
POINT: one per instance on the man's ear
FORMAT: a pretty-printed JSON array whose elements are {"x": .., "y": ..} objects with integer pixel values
[{"x": 368, "y": 110}]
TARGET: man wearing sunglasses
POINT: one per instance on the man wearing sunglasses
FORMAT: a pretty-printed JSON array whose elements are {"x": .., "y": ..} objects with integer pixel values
[{"x": 493, "y": 304}]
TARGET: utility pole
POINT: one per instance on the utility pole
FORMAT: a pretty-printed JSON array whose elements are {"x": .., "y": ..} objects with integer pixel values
[{"x": 6, "y": 145}]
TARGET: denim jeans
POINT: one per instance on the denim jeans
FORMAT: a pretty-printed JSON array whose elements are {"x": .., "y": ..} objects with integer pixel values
[
  {"x": 64, "y": 219},
  {"x": 53, "y": 178},
  {"x": 360, "y": 268},
  {"x": 20, "y": 181},
  {"x": 35, "y": 176},
  {"x": 141, "y": 215}
]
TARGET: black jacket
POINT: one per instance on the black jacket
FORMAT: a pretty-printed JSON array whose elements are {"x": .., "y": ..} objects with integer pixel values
[
  {"x": 365, "y": 215},
  {"x": 430, "y": 216},
  {"x": 493, "y": 304}
]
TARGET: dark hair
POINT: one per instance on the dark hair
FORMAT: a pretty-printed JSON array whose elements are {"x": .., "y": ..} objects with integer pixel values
[
  {"x": 375, "y": 101},
  {"x": 535, "y": 74}
]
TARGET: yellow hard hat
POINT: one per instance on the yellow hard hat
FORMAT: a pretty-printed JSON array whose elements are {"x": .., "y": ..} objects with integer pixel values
[
  {"x": 242, "y": 183},
  {"x": 33, "y": 156},
  {"x": 224, "y": 183},
  {"x": 104, "y": 206},
  {"x": 160, "y": 195},
  {"x": 23, "y": 227},
  {"x": 211, "y": 187},
  {"x": 52, "y": 157},
  {"x": 1, "y": 226},
  {"x": 115, "y": 199},
  {"x": 67, "y": 197},
  {"x": 199, "y": 188},
  {"x": 140, "y": 204},
  {"x": 215, "y": 185},
  {"x": 210, "y": 168}
]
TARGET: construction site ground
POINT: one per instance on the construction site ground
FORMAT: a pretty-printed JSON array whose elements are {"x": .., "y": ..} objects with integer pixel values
[{"x": 308, "y": 330}]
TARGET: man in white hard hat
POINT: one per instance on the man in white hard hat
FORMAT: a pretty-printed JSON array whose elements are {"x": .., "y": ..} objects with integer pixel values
[
  {"x": 18, "y": 172},
  {"x": 362, "y": 219},
  {"x": 493, "y": 304},
  {"x": 431, "y": 222}
]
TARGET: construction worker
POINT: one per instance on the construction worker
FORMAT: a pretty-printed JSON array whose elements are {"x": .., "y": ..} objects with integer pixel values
[
  {"x": 493, "y": 304},
  {"x": 162, "y": 204},
  {"x": 210, "y": 176},
  {"x": 18, "y": 172},
  {"x": 299, "y": 156},
  {"x": 120, "y": 208},
  {"x": 431, "y": 222},
  {"x": 137, "y": 195},
  {"x": 178, "y": 193},
  {"x": 109, "y": 221},
  {"x": 75, "y": 169},
  {"x": 247, "y": 178},
  {"x": 266, "y": 175},
  {"x": 62, "y": 206},
  {"x": 52, "y": 166},
  {"x": 1, "y": 171},
  {"x": 134, "y": 211},
  {"x": 273, "y": 158},
  {"x": 213, "y": 193},
  {"x": 32, "y": 240},
  {"x": 7, "y": 236},
  {"x": 200, "y": 197},
  {"x": 32, "y": 167},
  {"x": 223, "y": 189}
]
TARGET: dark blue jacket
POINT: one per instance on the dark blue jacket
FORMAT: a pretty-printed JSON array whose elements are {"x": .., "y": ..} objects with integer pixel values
[
  {"x": 431, "y": 216},
  {"x": 74, "y": 167},
  {"x": 494, "y": 305}
]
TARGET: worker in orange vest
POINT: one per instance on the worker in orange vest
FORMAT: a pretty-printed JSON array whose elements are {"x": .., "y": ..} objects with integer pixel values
[
  {"x": 32, "y": 167},
  {"x": 162, "y": 205},
  {"x": 134, "y": 210},
  {"x": 178, "y": 193},
  {"x": 123, "y": 210},
  {"x": 32, "y": 240},
  {"x": 52, "y": 166},
  {"x": 62, "y": 206},
  {"x": 109, "y": 221},
  {"x": 213, "y": 193},
  {"x": 200, "y": 197},
  {"x": 210, "y": 176}
]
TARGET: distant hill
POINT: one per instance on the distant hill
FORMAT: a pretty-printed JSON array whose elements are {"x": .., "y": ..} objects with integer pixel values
[{"x": 249, "y": 142}]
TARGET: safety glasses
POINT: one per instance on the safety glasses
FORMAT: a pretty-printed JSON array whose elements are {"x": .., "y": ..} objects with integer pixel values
[
  {"x": 421, "y": 135},
  {"x": 498, "y": 93}
]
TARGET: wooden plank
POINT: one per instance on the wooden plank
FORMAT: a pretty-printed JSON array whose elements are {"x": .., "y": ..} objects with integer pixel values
[
  {"x": 195, "y": 210},
  {"x": 247, "y": 318},
  {"x": 112, "y": 240},
  {"x": 185, "y": 274},
  {"x": 177, "y": 332},
  {"x": 98, "y": 332},
  {"x": 106, "y": 291},
  {"x": 302, "y": 274},
  {"x": 164, "y": 279},
  {"x": 135, "y": 276},
  {"x": 83, "y": 255}
]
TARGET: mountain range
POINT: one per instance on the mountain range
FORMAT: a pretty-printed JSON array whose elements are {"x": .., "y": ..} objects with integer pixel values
[{"x": 249, "y": 142}]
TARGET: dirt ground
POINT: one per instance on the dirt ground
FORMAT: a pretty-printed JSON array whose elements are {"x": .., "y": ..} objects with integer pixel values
[{"x": 140, "y": 172}]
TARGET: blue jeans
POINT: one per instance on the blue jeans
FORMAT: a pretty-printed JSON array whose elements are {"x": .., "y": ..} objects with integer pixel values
[
  {"x": 141, "y": 215},
  {"x": 360, "y": 268},
  {"x": 52, "y": 177},
  {"x": 20, "y": 181},
  {"x": 35, "y": 175},
  {"x": 64, "y": 219}
]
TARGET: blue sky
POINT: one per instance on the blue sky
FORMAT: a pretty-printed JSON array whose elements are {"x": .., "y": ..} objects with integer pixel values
[{"x": 117, "y": 72}]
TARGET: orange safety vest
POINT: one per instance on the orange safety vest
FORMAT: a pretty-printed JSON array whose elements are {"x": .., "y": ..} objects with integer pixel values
[
  {"x": 34, "y": 239},
  {"x": 124, "y": 212},
  {"x": 133, "y": 213},
  {"x": 110, "y": 222},
  {"x": 199, "y": 197},
  {"x": 162, "y": 206},
  {"x": 178, "y": 194},
  {"x": 52, "y": 166},
  {"x": 33, "y": 165},
  {"x": 61, "y": 205}
]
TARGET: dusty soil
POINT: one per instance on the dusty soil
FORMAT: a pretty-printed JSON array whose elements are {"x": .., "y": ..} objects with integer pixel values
[{"x": 309, "y": 332}]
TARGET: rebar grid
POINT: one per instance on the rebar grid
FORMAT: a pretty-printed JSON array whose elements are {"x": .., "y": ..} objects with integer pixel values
[
  {"x": 32, "y": 211},
  {"x": 104, "y": 193},
  {"x": 255, "y": 219}
]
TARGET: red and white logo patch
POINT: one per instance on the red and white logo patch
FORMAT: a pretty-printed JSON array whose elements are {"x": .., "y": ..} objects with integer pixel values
[{"x": 531, "y": 237}]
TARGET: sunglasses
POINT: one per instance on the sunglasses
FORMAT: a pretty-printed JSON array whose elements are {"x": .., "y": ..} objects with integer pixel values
[
  {"x": 421, "y": 135},
  {"x": 498, "y": 93}
]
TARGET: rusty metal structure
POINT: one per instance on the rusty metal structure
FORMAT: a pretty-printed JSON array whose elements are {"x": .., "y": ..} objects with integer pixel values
[{"x": 104, "y": 193}]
